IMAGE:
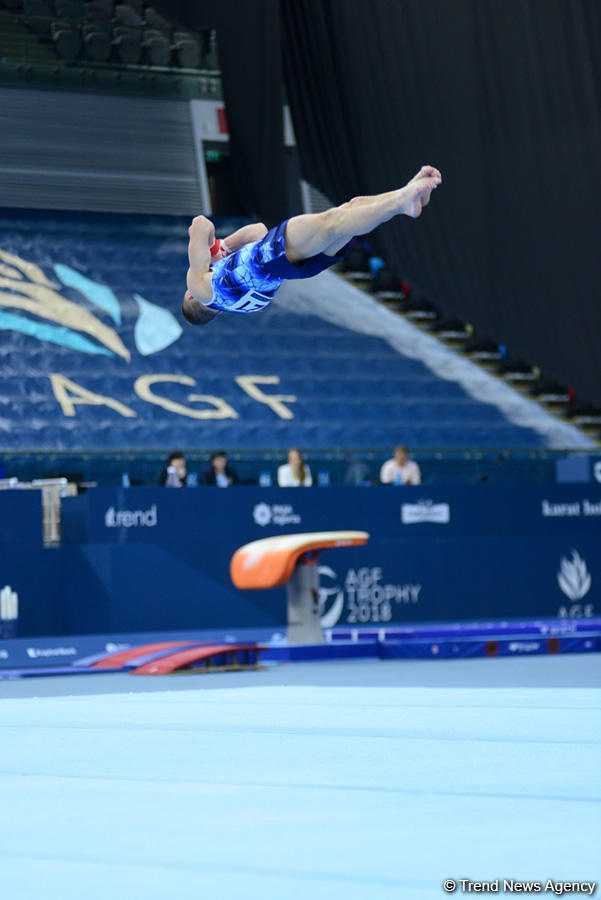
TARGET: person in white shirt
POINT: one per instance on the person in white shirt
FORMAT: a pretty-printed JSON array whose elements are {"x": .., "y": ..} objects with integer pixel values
[
  {"x": 400, "y": 469},
  {"x": 294, "y": 473}
]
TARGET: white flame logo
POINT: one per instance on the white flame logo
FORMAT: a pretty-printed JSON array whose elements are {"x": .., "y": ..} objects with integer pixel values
[{"x": 574, "y": 578}]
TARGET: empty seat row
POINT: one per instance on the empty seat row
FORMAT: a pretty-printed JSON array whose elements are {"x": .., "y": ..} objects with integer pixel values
[
  {"x": 128, "y": 45},
  {"x": 122, "y": 44},
  {"x": 128, "y": 12},
  {"x": 125, "y": 33},
  {"x": 98, "y": 43}
]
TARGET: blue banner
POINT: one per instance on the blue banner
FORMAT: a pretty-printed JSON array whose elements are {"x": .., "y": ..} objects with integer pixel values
[
  {"x": 20, "y": 518},
  {"x": 238, "y": 515},
  {"x": 158, "y": 559}
]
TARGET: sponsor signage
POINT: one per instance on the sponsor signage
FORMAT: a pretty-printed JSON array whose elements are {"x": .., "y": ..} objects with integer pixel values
[
  {"x": 50, "y": 652},
  {"x": 584, "y": 507},
  {"x": 425, "y": 511},
  {"x": 575, "y": 581},
  {"x": 159, "y": 514},
  {"x": 455, "y": 554},
  {"x": 362, "y": 596},
  {"x": 524, "y": 646},
  {"x": 573, "y": 577},
  {"x": 131, "y": 518},
  {"x": 280, "y": 514}
]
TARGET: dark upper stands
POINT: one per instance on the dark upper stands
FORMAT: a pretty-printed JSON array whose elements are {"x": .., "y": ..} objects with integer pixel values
[{"x": 125, "y": 33}]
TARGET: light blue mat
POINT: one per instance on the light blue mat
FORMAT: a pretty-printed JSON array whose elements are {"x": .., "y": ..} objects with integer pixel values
[{"x": 297, "y": 791}]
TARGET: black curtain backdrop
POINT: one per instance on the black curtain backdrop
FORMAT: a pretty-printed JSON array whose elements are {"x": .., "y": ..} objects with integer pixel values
[
  {"x": 248, "y": 39},
  {"x": 505, "y": 98}
]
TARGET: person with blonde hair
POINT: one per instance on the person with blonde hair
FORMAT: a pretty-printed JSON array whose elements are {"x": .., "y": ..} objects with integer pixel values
[{"x": 296, "y": 472}]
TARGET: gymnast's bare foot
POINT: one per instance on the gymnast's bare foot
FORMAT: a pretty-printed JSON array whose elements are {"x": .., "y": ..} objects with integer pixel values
[{"x": 416, "y": 194}]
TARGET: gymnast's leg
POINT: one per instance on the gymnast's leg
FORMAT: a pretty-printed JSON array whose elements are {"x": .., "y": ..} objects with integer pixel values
[{"x": 329, "y": 231}]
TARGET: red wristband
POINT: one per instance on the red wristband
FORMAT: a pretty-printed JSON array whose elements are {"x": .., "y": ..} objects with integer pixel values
[{"x": 216, "y": 247}]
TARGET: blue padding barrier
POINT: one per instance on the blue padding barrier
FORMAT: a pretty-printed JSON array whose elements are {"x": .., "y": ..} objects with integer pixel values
[
  {"x": 20, "y": 519},
  {"x": 157, "y": 560},
  {"x": 162, "y": 517},
  {"x": 449, "y": 631},
  {"x": 311, "y": 652},
  {"x": 33, "y": 671},
  {"x": 476, "y": 647},
  {"x": 459, "y": 647}
]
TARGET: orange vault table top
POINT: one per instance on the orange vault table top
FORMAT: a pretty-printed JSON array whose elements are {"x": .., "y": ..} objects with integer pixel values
[{"x": 270, "y": 562}]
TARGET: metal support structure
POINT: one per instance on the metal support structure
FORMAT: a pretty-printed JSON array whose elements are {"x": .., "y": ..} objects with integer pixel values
[
  {"x": 53, "y": 490},
  {"x": 304, "y": 622}
]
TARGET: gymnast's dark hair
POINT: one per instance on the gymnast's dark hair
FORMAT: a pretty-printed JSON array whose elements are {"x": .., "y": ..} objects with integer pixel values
[{"x": 195, "y": 312}]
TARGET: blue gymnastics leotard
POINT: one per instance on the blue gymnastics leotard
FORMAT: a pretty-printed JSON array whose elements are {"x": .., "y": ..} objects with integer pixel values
[{"x": 246, "y": 281}]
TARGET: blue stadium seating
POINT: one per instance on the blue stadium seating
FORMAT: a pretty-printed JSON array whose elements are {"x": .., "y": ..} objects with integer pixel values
[{"x": 351, "y": 390}]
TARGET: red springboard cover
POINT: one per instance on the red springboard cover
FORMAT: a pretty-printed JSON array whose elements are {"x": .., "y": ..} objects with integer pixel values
[
  {"x": 114, "y": 660},
  {"x": 182, "y": 658}
]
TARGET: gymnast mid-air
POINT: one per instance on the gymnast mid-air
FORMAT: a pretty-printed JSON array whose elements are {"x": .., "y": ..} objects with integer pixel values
[{"x": 242, "y": 273}]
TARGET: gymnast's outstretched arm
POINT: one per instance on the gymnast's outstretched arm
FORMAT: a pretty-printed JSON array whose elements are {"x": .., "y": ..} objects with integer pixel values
[
  {"x": 202, "y": 238},
  {"x": 248, "y": 234}
]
